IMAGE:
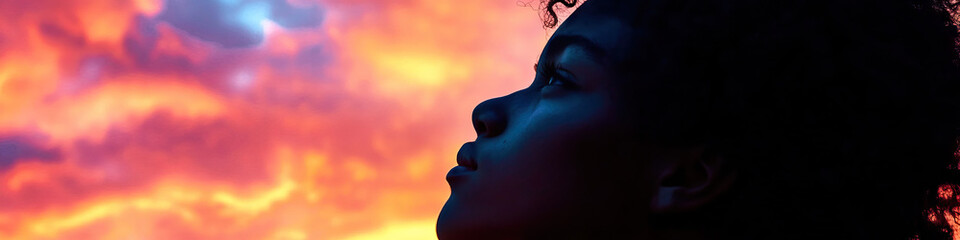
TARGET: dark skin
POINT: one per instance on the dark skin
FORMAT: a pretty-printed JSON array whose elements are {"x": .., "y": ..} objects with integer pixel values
[{"x": 560, "y": 159}]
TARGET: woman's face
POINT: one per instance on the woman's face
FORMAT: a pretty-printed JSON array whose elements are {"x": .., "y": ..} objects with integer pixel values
[{"x": 551, "y": 156}]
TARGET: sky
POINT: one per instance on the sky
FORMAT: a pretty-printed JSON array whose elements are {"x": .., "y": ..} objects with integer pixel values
[{"x": 245, "y": 119}]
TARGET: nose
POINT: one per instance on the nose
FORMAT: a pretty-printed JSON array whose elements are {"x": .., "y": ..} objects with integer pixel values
[{"x": 489, "y": 119}]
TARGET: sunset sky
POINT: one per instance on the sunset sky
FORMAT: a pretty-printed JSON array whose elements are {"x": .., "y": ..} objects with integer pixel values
[{"x": 245, "y": 119}]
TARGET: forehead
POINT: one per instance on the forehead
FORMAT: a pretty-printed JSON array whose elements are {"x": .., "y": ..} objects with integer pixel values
[{"x": 600, "y": 22}]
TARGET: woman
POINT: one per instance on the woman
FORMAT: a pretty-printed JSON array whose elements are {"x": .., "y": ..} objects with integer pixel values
[{"x": 722, "y": 119}]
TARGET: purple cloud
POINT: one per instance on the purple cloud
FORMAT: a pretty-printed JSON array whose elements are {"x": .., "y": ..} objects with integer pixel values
[
  {"x": 16, "y": 148},
  {"x": 236, "y": 23}
]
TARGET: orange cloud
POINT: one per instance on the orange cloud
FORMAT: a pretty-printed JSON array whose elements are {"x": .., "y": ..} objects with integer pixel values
[{"x": 338, "y": 131}]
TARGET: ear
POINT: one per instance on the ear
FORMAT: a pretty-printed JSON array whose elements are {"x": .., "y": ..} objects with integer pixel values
[{"x": 689, "y": 179}]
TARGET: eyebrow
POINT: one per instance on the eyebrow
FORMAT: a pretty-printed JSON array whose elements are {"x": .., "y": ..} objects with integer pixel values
[{"x": 561, "y": 42}]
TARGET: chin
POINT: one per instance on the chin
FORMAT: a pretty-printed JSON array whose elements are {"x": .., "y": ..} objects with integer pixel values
[
  {"x": 449, "y": 223},
  {"x": 460, "y": 222},
  {"x": 457, "y": 222}
]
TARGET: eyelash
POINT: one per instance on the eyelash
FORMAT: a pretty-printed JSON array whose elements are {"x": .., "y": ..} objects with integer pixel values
[{"x": 550, "y": 71}]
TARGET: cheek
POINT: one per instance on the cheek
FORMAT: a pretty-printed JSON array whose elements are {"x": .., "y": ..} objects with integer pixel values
[
  {"x": 552, "y": 139},
  {"x": 548, "y": 160}
]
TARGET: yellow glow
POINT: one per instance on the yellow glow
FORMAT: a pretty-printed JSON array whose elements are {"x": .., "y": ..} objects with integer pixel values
[
  {"x": 254, "y": 204},
  {"x": 421, "y": 70},
  {"x": 413, "y": 230},
  {"x": 360, "y": 170},
  {"x": 51, "y": 227},
  {"x": 27, "y": 74},
  {"x": 149, "y": 7},
  {"x": 289, "y": 234},
  {"x": 113, "y": 103},
  {"x": 420, "y": 166},
  {"x": 103, "y": 26},
  {"x": 19, "y": 178},
  {"x": 317, "y": 166},
  {"x": 4, "y": 75}
]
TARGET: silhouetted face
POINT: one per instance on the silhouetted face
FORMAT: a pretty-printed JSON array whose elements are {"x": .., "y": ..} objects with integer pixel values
[{"x": 549, "y": 156}]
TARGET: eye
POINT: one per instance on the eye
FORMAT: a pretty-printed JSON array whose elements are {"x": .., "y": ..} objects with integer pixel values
[
  {"x": 556, "y": 75},
  {"x": 555, "y": 80}
]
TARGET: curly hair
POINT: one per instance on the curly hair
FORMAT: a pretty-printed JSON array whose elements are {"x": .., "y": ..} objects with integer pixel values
[{"x": 841, "y": 116}]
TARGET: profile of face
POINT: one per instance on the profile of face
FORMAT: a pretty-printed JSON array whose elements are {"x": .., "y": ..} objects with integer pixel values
[{"x": 561, "y": 158}]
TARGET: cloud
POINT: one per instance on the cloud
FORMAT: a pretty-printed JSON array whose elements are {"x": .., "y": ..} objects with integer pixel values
[
  {"x": 236, "y": 23},
  {"x": 15, "y": 148},
  {"x": 297, "y": 131}
]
